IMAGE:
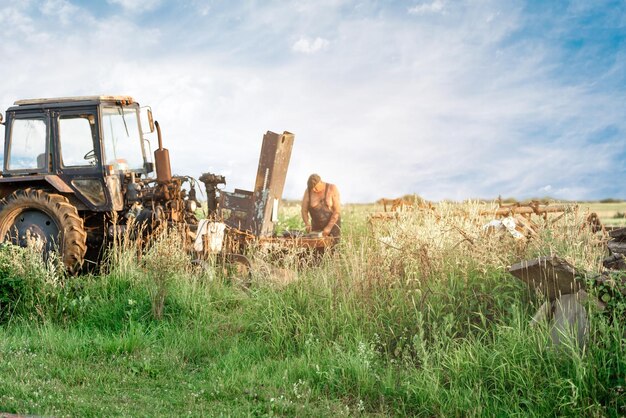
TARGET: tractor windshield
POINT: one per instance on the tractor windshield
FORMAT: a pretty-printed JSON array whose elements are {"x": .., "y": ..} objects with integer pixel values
[{"x": 122, "y": 138}]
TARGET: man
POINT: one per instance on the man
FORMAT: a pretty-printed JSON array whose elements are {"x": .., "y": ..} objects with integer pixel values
[{"x": 321, "y": 201}]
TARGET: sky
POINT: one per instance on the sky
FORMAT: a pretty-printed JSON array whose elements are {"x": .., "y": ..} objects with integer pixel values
[{"x": 447, "y": 99}]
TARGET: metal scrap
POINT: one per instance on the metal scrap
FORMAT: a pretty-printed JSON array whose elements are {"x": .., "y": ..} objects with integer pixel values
[
  {"x": 552, "y": 276},
  {"x": 564, "y": 309},
  {"x": 532, "y": 208},
  {"x": 257, "y": 211},
  {"x": 617, "y": 241},
  {"x": 565, "y": 289}
]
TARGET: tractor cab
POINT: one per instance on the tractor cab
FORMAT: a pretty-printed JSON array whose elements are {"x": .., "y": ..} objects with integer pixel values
[{"x": 84, "y": 147}]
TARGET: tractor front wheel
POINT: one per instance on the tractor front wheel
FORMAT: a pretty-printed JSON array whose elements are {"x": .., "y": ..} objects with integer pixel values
[{"x": 45, "y": 220}]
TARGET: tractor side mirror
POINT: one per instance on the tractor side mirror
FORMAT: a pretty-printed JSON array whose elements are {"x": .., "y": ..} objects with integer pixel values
[
  {"x": 147, "y": 121},
  {"x": 1, "y": 119}
]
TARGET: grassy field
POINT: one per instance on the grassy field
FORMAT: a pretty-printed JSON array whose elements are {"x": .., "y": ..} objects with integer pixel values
[{"x": 416, "y": 316}]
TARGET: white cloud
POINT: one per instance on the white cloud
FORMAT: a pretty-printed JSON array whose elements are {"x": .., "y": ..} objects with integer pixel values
[
  {"x": 15, "y": 18},
  {"x": 308, "y": 46},
  {"x": 62, "y": 9},
  {"x": 436, "y": 6},
  {"x": 444, "y": 108},
  {"x": 137, "y": 6}
]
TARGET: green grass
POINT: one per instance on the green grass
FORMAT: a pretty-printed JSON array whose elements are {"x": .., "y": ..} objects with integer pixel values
[{"x": 431, "y": 327}]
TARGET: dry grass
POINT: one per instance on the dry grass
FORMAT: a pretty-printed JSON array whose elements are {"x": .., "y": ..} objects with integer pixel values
[{"x": 424, "y": 245}]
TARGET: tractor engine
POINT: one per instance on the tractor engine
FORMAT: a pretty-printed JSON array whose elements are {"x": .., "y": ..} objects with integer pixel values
[{"x": 151, "y": 204}]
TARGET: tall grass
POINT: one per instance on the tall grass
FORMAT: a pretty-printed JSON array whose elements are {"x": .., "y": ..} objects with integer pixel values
[{"x": 416, "y": 316}]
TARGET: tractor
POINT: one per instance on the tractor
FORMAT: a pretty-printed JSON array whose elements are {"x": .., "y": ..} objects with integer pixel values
[{"x": 78, "y": 170}]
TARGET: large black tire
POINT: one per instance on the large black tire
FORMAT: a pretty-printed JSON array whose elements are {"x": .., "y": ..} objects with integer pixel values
[{"x": 47, "y": 217}]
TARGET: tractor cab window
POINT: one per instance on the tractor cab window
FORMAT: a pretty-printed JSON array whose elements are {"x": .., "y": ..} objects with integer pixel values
[
  {"x": 76, "y": 138},
  {"x": 122, "y": 138},
  {"x": 27, "y": 146}
]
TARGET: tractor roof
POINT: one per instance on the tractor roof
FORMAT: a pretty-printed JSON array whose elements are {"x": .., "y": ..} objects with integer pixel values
[{"x": 64, "y": 100}]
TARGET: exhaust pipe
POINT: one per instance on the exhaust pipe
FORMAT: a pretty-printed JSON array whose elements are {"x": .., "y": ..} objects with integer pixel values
[{"x": 162, "y": 160}]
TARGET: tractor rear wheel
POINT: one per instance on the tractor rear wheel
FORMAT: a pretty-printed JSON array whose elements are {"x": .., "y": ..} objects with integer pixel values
[{"x": 46, "y": 220}]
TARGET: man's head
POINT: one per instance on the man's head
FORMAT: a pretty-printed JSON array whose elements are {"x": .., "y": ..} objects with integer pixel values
[{"x": 314, "y": 180}]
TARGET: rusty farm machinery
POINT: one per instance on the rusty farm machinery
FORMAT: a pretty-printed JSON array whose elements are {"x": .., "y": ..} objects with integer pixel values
[{"x": 78, "y": 171}]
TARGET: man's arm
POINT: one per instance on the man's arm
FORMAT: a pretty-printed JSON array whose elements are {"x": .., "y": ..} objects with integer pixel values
[
  {"x": 336, "y": 210},
  {"x": 305, "y": 210}
]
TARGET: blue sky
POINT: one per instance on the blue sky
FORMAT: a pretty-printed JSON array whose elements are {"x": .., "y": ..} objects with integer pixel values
[{"x": 447, "y": 99}]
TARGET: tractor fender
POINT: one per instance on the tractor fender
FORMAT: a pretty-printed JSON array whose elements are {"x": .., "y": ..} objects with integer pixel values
[{"x": 56, "y": 182}]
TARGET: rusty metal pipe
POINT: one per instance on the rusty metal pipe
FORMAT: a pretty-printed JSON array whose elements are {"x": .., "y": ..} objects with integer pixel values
[
  {"x": 158, "y": 127},
  {"x": 162, "y": 160}
]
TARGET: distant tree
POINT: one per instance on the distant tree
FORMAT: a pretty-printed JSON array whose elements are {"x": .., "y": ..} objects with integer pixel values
[
  {"x": 413, "y": 199},
  {"x": 508, "y": 200}
]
